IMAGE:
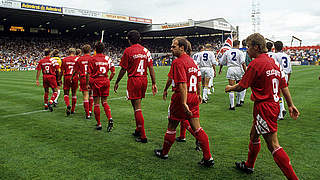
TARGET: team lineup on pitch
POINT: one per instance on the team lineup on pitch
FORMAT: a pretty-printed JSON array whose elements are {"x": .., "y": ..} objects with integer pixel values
[{"x": 187, "y": 77}]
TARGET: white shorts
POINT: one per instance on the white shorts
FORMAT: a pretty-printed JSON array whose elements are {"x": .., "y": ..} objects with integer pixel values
[
  {"x": 206, "y": 72},
  {"x": 234, "y": 73}
]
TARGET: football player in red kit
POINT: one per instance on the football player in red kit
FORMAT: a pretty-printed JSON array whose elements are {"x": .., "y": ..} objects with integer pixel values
[
  {"x": 69, "y": 81},
  {"x": 135, "y": 60},
  {"x": 99, "y": 66},
  {"x": 81, "y": 68},
  {"x": 266, "y": 79},
  {"x": 49, "y": 70},
  {"x": 186, "y": 82}
]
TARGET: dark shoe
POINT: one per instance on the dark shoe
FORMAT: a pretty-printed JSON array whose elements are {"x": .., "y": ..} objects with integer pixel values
[
  {"x": 68, "y": 110},
  {"x": 50, "y": 107},
  {"x": 136, "y": 134},
  {"x": 55, "y": 104},
  {"x": 72, "y": 112},
  {"x": 207, "y": 163},
  {"x": 242, "y": 166},
  {"x": 46, "y": 107},
  {"x": 204, "y": 101},
  {"x": 99, "y": 128},
  {"x": 198, "y": 148},
  {"x": 88, "y": 117},
  {"x": 242, "y": 103},
  {"x": 232, "y": 108},
  {"x": 158, "y": 153},
  {"x": 110, "y": 125},
  {"x": 90, "y": 113},
  {"x": 142, "y": 140},
  {"x": 238, "y": 105},
  {"x": 179, "y": 139}
]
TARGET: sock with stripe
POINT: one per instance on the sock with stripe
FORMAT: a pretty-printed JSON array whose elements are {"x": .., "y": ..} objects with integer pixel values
[
  {"x": 97, "y": 113},
  {"x": 202, "y": 137},
  {"x": 254, "y": 148},
  {"x": 283, "y": 162},
  {"x": 169, "y": 139}
]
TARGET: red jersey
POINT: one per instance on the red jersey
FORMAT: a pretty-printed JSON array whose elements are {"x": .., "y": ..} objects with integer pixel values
[
  {"x": 265, "y": 77},
  {"x": 81, "y": 65},
  {"x": 48, "y": 66},
  {"x": 183, "y": 69},
  {"x": 68, "y": 64},
  {"x": 135, "y": 60},
  {"x": 99, "y": 65}
]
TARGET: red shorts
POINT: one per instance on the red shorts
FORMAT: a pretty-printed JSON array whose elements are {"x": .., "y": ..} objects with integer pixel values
[
  {"x": 83, "y": 84},
  {"x": 100, "y": 86},
  {"x": 136, "y": 87},
  {"x": 49, "y": 81},
  {"x": 67, "y": 83},
  {"x": 176, "y": 110},
  {"x": 265, "y": 115}
]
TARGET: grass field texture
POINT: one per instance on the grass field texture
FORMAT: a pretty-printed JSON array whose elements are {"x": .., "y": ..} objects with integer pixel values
[{"x": 37, "y": 144}]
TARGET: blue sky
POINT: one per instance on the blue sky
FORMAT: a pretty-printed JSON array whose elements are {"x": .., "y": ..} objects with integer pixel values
[{"x": 280, "y": 19}]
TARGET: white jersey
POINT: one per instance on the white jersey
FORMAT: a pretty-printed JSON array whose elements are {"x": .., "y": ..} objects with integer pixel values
[
  {"x": 195, "y": 57},
  {"x": 206, "y": 59},
  {"x": 233, "y": 58},
  {"x": 285, "y": 62}
]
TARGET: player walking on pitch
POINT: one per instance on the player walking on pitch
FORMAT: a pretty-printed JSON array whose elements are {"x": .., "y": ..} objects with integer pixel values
[
  {"x": 99, "y": 66},
  {"x": 266, "y": 80},
  {"x": 49, "y": 70},
  {"x": 184, "y": 101},
  {"x": 135, "y": 60}
]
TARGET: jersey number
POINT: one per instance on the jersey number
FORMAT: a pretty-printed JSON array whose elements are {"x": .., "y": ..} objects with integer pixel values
[
  {"x": 103, "y": 70},
  {"x": 85, "y": 68},
  {"x": 275, "y": 87},
  {"x": 193, "y": 84},
  {"x": 285, "y": 62},
  {"x": 205, "y": 56},
  {"x": 71, "y": 69},
  {"x": 47, "y": 68},
  {"x": 234, "y": 54},
  {"x": 140, "y": 67}
]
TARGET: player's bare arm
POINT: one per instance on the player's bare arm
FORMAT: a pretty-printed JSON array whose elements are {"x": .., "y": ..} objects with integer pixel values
[
  {"x": 199, "y": 91},
  {"x": 220, "y": 69},
  {"x": 37, "y": 78},
  {"x": 294, "y": 112},
  {"x": 165, "y": 91},
  {"x": 235, "y": 87},
  {"x": 120, "y": 76},
  {"x": 244, "y": 67},
  {"x": 153, "y": 80},
  {"x": 214, "y": 70},
  {"x": 113, "y": 72},
  {"x": 183, "y": 91}
]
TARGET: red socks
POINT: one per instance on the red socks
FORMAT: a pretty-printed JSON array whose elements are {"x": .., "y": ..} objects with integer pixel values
[
  {"x": 66, "y": 100},
  {"x": 254, "y": 148},
  {"x": 185, "y": 125},
  {"x": 283, "y": 162},
  {"x": 86, "y": 107},
  {"x": 45, "y": 97},
  {"x": 107, "y": 110},
  {"x": 74, "y": 101},
  {"x": 169, "y": 139},
  {"x": 53, "y": 97},
  {"x": 97, "y": 113},
  {"x": 202, "y": 137},
  {"x": 140, "y": 122},
  {"x": 90, "y": 104}
]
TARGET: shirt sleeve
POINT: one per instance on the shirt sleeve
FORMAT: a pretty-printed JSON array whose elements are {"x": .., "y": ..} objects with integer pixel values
[
  {"x": 124, "y": 60},
  {"x": 242, "y": 58},
  {"x": 180, "y": 74},
  {"x": 248, "y": 77}
]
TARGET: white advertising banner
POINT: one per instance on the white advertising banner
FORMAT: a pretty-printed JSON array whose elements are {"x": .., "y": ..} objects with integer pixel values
[
  {"x": 10, "y": 4},
  {"x": 82, "y": 12}
]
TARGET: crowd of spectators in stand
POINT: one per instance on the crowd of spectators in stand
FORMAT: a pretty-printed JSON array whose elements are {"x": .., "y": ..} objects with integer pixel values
[{"x": 16, "y": 52}]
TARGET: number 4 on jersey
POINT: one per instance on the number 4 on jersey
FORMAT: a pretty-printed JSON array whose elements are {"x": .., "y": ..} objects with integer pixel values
[{"x": 141, "y": 67}]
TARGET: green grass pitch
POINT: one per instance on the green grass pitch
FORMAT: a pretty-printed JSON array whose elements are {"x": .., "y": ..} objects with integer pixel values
[{"x": 37, "y": 144}]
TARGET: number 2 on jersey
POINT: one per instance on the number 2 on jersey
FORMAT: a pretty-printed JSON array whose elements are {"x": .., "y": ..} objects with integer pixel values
[
  {"x": 234, "y": 54},
  {"x": 140, "y": 68}
]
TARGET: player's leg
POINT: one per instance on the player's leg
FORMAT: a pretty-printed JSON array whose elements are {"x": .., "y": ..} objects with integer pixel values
[
  {"x": 279, "y": 155},
  {"x": 86, "y": 103},
  {"x": 169, "y": 139},
  {"x": 203, "y": 140},
  {"x": 58, "y": 94},
  {"x": 53, "y": 97},
  {"x": 46, "y": 97},
  {"x": 67, "y": 100},
  {"x": 90, "y": 101},
  {"x": 74, "y": 99},
  {"x": 136, "y": 104},
  {"x": 231, "y": 95},
  {"x": 107, "y": 111},
  {"x": 254, "y": 149},
  {"x": 205, "y": 89},
  {"x": 183, "y": 130},
  {"x": 96, "y": 111}
]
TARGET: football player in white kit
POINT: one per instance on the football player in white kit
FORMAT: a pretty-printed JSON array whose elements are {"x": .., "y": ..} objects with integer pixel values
[
  {"x": 235, "y": 60},
  {"x": 207, "y": 64},
  {"x": 285, "y": 62}
]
